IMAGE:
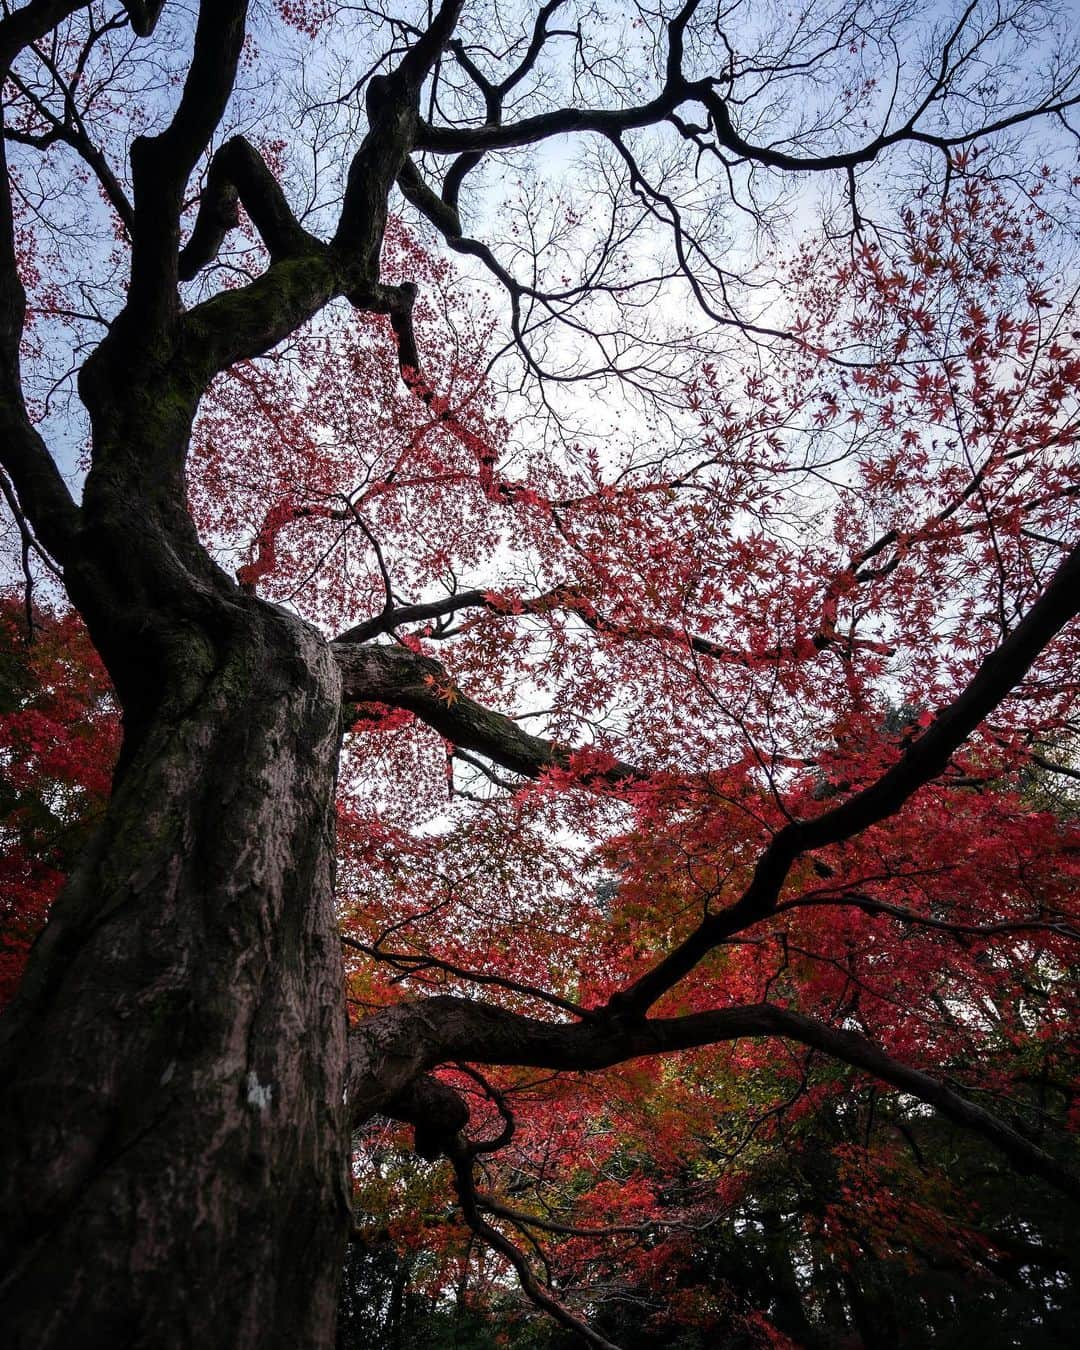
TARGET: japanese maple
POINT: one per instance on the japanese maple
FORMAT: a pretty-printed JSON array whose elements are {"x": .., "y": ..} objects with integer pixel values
[
  {"x": 58, "y": 739},
  {"x": 602, "y": 792}
]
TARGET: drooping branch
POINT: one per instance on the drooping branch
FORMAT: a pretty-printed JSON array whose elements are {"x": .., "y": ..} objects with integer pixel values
[
  {"x": 393, "y": 1048},
  {"x": 439, "y": 1115},
  {"x": 471, "y": 1208},
  {"x": 436, "y": 1112},
  {"x": 30, "y": 544},
  {"x": 144, "y": 15}
]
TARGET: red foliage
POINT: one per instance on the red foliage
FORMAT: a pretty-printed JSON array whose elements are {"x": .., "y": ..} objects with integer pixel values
[
  {"x": 761, "y": 618},
  {"x": 59, "y": 736}
]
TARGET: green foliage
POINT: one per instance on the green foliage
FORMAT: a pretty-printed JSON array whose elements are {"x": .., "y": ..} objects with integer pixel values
[{"x": 381, "y": 1307}]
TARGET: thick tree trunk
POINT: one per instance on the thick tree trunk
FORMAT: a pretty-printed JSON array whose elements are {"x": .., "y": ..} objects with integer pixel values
[{"x": 174, "y": 1135}]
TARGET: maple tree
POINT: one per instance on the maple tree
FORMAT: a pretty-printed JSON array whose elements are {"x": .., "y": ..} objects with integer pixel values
[
  {"x": 730, "y": 730},
  {"x": 58, "y": 739}
]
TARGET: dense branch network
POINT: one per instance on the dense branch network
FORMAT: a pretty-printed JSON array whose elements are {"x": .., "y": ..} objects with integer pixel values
[{"x": 436, "y": 112}]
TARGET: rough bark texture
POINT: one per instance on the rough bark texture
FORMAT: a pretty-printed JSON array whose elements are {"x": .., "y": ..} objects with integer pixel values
[{"x": 174, "y": 1134}]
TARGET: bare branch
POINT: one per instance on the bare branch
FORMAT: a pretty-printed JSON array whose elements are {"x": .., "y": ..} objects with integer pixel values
[
  {"x": 32, "y": 21},
  {"x": 238, "y": 175},
  {"x": 162, "y": 164},
  {"x": 43, "y": 495}
]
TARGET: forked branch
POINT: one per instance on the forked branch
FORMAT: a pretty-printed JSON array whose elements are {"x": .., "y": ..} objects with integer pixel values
[
  {"x": 416, "y": 1037},
  {"x": 238, "y": 176}
]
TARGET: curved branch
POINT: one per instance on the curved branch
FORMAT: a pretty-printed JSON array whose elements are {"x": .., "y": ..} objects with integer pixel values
[
  {"x": 31, "y": 22},
  {"x": 237, "y": 176},
  {"x": 436, "y": 1112},
  {"x": 393, "y": 116},
  {"x": 42, "y": 493},
  {"x": 471, "y": 1206},
  {"x": 404, "y": 1042},
  {"x": 405, "y": 679},
  {"x": 677, "y": 91},
  {"x": 542, "y": 126}
]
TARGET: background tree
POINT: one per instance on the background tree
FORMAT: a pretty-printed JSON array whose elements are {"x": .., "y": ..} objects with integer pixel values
[
  {"x": 58, "y": 738},
  {"x": 869, "y": 506}
]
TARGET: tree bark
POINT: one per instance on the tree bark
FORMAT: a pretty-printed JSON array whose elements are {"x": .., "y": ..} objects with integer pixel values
[{"x": 174, "y": 1138}]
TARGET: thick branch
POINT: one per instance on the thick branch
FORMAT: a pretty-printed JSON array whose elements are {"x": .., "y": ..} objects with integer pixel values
[
  {"x": 394, "y": 1047},
  {"x": 405, "y": 679},
  {"x": 435, "y": 1111},
  {"x": 393, "y": 116},
  {"x": 238, "y": 175},
  {"x": 162, "y": 164},
  {"x": 32, "y": 21},
  {"x": 144, "y": 15},
  {"x": 543, "y": 126},
  {"x": 923, "y": 761},
  {"x": 236, "y": 325}
]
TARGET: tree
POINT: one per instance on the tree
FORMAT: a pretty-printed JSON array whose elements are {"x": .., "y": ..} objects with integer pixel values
[
  {"x": 58, "y": 739},
  {"x": 870, "y": 504}
]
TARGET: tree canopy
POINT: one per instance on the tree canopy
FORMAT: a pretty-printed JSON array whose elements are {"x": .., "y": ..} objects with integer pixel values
[{"x": 599, "y": 712}]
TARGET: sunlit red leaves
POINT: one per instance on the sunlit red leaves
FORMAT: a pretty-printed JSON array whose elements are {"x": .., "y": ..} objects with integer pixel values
[
  {"x": 761, "y": 615},
  {"x": 767, "y": 615}
]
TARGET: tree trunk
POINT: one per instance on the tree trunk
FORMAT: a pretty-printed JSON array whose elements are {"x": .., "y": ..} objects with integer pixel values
[{"x": 174, "y": 1137}]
